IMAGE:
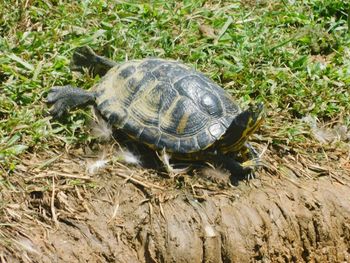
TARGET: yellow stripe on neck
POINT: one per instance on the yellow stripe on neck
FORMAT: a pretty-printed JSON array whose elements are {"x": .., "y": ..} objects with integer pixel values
[{"x": 237, "y": 146}]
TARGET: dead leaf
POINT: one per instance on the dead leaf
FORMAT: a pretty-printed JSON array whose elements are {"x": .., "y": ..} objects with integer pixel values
[{"x": 207, "y": 31}]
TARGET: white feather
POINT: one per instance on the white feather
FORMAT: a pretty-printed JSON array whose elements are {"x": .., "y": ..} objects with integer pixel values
[
  {"x": 93, "y": 168},
  {"x": 209, "y": 231},
  {"x": 100, "y": 128},
  {"x": 127, "y": 156},
  {"x": 27, "y": 245}
]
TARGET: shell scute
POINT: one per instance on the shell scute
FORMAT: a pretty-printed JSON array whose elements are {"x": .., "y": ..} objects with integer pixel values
[
  {"x": 150, "y": 135},
  {"x": 200, "y": 92},
  {"x": 169, "y": 72},
  {"x": 127, "y": 72}
]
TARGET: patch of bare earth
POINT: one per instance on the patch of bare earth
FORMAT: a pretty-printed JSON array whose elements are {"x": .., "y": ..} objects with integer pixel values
[{"x": 297, "y": 209}]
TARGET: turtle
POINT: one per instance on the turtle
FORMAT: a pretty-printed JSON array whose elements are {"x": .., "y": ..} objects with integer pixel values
[{"x": 167, "y": 106}]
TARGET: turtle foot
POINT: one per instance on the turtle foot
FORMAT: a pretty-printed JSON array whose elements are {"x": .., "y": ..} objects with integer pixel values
[
  {"x": 84, "y": 58},
  {"x": 65, "y": 98}
]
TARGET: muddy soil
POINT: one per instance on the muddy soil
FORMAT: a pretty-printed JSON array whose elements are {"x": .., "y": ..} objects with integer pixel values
[{"x": 121, "y": 219}]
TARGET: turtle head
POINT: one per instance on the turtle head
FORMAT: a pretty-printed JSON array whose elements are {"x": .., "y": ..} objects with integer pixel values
[{"x": 242, "y": 126}]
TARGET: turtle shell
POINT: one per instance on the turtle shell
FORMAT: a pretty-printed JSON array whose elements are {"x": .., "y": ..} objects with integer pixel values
[{"x": 165, "y": 104}]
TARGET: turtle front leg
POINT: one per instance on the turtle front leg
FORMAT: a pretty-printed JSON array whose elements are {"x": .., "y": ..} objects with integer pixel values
[
  {"x": 65, "y": 98},
  {"x": 236, "y": 169},
  {"x": 85, "y": 58},
  {"x": 250, "y": 158}
]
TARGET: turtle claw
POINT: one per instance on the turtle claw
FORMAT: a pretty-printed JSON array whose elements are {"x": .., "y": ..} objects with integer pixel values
[
  {"x": 252, "y": 163},
  {"x": 57, "y": 97},
  {"x": 82, "y": 58},
  {"x": 251, "y": 175},
  {"x": 59, "y": 108},
  {"x": 58, "y": 92}
]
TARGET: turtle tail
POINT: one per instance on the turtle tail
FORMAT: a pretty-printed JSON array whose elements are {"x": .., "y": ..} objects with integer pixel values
[{"x": 85, "y": 58}]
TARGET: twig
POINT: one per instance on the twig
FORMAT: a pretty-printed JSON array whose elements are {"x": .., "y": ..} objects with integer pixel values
[
  {"x": 53, "y": 211},
  {"x": 335, "y": 177},
  {"x": 147, "y": 185},
  {"x": 294, "y": 183},
  {"x": 2, "y": 258},
  {"x": 162, "y": 211},
  {"x": 55, "y": 173},
  {"x": 115, "y": 212},
  {"x": 129, "y": 177},
  {"x": 47, "y": 162}
]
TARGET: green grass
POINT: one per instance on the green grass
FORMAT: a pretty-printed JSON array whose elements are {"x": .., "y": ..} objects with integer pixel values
[{"x": 292, "y": 55}]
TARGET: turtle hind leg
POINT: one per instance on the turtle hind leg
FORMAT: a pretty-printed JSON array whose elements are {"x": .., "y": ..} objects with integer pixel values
[
  {"x": 164, "y": 157},
  {"x": 85, "y": 58},
  {"x": 67, "y": 97}
]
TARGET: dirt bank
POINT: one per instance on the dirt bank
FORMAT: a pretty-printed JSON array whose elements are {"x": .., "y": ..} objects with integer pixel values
[{"x": 279, "y": 219}]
